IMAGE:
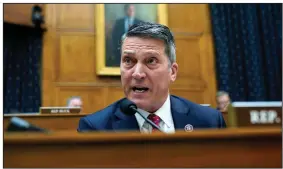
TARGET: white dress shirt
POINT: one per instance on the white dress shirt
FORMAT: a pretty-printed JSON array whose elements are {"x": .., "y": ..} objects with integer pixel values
[
  {"x": 128, "y": 21},
  {"x": 164, "y": 112}
]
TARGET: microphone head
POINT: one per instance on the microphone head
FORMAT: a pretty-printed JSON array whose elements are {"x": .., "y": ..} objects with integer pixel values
[
  {"x": 19, "y": 122},
  {"x": 19, "y": 125},
  {"x": 128, "y": 107}
]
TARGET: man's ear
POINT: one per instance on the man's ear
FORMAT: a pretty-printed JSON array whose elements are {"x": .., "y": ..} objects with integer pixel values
[{"x": 174, "y": 70}]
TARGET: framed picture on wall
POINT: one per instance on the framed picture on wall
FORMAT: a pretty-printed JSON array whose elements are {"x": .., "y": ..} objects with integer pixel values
[{"x": 112, "y": 21}]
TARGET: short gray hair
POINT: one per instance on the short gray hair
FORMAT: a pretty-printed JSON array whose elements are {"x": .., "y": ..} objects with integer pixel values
[
  {"x": 157, "y": 31},
  {"x": 221, "y": 93},
  {"x": 72, "y": 98}
]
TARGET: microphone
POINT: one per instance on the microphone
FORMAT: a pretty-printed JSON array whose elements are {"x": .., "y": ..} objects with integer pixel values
[
  {"x": 130, "y": 108},
  {"x": 20, "y": 125}
]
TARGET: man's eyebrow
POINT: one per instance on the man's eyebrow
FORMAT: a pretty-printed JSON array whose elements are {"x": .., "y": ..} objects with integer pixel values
[
  {"x": 129, "y": 52},
  {"x": 152, "y": 52}
]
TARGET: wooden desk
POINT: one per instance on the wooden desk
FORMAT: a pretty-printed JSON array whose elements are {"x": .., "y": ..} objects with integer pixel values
[
  {"x": 49, "y": 121},
  {"x": 257, "y": 147}
]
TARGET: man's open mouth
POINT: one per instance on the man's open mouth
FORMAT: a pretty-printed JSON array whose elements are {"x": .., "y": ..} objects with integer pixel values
[{"x": 140, "y": 89}]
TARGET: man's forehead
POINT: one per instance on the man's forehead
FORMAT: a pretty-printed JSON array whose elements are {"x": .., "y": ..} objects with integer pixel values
[
  {"x": 135, "y": 40},
  {"x": 223, "y": 97},
  {"x": 131, "y": 47},
  {"x": 133, "y": 51},
  {"x": 76, "y": 100}
]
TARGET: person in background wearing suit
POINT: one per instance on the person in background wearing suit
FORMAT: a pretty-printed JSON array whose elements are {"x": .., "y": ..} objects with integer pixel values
[
  {"x": 148, "y": 67},
  {"x": 121, "y": 26},
  {"x": 223, "y": 101}
]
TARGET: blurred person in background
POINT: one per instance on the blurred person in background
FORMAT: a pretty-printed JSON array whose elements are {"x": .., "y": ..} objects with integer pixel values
[
  {"x": 75, "y": 101},
  {"x": 223, "y": 101},
  {"x": 148, "y": 67},
  {"x": 121, "y": 26}
]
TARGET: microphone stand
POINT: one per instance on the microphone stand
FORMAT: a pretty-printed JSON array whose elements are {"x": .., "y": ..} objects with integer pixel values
[{"x": 146, "y": 119}]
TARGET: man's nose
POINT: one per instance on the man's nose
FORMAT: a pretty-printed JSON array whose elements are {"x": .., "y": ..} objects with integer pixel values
[{"x": 139, "y": 73}]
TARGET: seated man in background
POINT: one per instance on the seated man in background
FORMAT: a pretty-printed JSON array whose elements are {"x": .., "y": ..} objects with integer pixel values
[
  {"x": 223, "y": 101},
  {"x": 75, "y": 101},
  {"x": 148, "y": 67}
]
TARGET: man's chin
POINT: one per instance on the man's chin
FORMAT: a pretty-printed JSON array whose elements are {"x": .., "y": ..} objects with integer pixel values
[{"x": 141, "y": 103}]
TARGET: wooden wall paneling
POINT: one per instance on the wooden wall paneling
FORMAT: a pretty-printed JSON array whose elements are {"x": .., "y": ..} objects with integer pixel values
[
  {"x": 75, "y": 16},
  {"x": 76, "y": 57},
  {"x": 48, "y": 67},
  {"x": 188, "y": 55},
  {"x": 19, "y": 13},
  {"x": 208, "y": 67},
  {"x": 93, "y": 97},
  {"x": 113, "y": 94},
  {"x": 193, "y": 95},
  {"x": 187, "y": 17},
  {"x": 195, "y": 56},
  {"x": 49, "y": 54}
]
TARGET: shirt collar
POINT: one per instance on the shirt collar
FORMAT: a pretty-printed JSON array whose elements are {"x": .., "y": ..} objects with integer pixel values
[
  {"x": 131, "y": 19},
  {"x": 164, "y": 112}
]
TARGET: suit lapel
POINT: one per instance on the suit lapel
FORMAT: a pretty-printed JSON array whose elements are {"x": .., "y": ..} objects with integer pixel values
[
  {"x": 180, "y": 113},
  {"x": 124, "y": 122}
]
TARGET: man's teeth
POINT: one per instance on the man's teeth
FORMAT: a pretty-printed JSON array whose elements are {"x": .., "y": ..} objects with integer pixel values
[{"x": 139, "y": 90}]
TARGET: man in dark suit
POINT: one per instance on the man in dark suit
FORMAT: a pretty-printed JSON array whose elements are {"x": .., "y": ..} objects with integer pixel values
[
  {"x": 148, "y": 67},
  {"x": 121, "y": 26}
]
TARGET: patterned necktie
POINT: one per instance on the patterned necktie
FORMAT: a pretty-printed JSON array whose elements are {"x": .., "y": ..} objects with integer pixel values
[{"x": 156, "y": 120}]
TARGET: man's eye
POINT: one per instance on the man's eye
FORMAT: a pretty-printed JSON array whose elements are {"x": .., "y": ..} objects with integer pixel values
[
  {"x": 152, "y": 61},
  {"x": 128, "y": 60}
]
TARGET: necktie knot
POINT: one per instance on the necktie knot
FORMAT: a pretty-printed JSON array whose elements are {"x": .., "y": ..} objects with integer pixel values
[{"x": 154, "y": 118}]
